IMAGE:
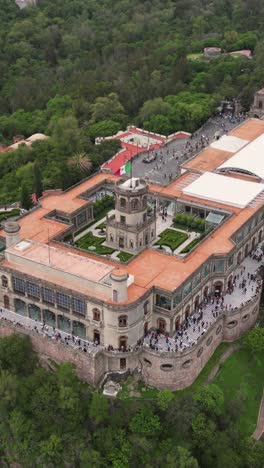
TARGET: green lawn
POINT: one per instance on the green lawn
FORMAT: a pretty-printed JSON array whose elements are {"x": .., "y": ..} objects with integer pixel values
[
  {"x": 190, "y": 246},
  {"x": 172, "y": 238},
  {"x": 243, "y": 373},
  {"x": 124, "y": 256},
  {"x": 89, "y": 240}
]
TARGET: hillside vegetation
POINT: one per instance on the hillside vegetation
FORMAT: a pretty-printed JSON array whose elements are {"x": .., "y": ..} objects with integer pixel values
[{"x": 77, "y": 69}]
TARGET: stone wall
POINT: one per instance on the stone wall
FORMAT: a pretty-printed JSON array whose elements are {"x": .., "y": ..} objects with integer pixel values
[
  {"x": 163, "y": 370},
  {"x": 89, "y": 367},
  {"x": 178, "y": 371}
]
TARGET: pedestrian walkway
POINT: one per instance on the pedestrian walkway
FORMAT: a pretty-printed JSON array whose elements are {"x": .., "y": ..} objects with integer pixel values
[
  {"x": 49, "y": 332},
  {"x": 245, "y": 287}
]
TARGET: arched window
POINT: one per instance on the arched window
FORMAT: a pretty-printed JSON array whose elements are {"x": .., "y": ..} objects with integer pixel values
[
  {"x": 4, "y": 281},
  {"x": 6, "y": 302},
  {"x": 123, "y": 202},
  {"x": 123, "y": 342},
  {"x": 134, "y": 204},
  {"x": 96, "y": 315},
  {"x": 146, "y": 308},
  {"x": 122, "y": 321},
  {"x": 161, "y": 324}
]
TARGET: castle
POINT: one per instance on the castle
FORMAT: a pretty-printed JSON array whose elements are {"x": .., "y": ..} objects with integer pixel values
[{"x": 188, "y": 280}]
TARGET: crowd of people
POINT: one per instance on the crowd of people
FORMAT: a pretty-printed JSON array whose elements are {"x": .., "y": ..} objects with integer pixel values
[
  {"x": 245, "y": 286},
  {"x": 165, "y": 161}
]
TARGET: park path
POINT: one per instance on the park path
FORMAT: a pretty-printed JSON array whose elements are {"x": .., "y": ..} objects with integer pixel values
[{"x": 260, "y": 424}]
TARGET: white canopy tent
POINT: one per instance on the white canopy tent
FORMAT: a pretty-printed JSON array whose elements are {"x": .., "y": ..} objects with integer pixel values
[
  {"x": 249, "y": 159},
  {"x": 222, "y": 189}
]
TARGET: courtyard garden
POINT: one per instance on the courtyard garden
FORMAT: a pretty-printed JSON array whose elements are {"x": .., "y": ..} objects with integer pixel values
[
  {"x": 124, "y": 256},
  {"x": 190, "y": 246},
  {"x": 189, "y": 223},
  {"x": 171, "y": 239},
  {"x": 94, "y": 244}
]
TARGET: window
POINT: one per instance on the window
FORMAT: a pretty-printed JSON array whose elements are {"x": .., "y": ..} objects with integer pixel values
[
  {"x": 81, "y": 218},
  {"x": 187, "y": 364},
  {"x": 78, "y": 305},
  {"x": 166, "y": 367},
  {"x": 122, "y": 321},
  {"x": 196, "y": 280},
  {"x": 146, "y": 308},
  {"x": 19, "y": 285},
  {"x": 134, "y": 204},
  {"x": 96, "y": 315},
  {"x": 48, "y": 295},
  {"x": 33, "y": 290},
  {"x": 115, "y": 295},
  {"x": 163, "y": 302},
  {"x": 122, "y": 219},
  {"x": 63, "y": 300},
  {"x": 123, "y": 343},
  {"x": 187, "y": 289},
  {"x": 232, "y": 324},
  {"x": 123, "y": 363},
  {"x": 4, "y": 281},
  {"x": 123, "y": 202},
  {"x": 206, "y": 270},
  {"x": 231, "y": 260},
  {"x": 177, "y": 299},
  {"x": 219, "y": 266},
  {"x": 209, "y": 341}
]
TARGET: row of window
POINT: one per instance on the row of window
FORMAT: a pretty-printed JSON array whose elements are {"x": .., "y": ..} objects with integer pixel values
[
  {"x": 242, "y": 233},
  {"x": 216, "y": 266},
  {"x": 48, "y": 295}
]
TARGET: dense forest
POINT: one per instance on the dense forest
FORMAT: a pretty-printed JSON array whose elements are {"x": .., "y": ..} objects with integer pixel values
[
  {"x": 77, "y": 69},
  {"x": 52, "y": 419}
]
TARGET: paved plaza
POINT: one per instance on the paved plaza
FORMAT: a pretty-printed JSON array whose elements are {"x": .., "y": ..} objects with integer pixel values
[
  {"x": 199, "y": 322},
  {"x": 168, "y": 160}
]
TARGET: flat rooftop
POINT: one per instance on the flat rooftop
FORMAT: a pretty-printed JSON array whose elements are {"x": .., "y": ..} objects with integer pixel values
[
  {"x": 226, "y": 190},
  {"x": 62, "y": 260},
  {"x": 249, "y": 159}
]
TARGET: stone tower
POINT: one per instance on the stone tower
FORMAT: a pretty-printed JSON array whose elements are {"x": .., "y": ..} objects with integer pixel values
[
  {"x": 131, "y": 228},
  {"x": 257, "y": 109}
]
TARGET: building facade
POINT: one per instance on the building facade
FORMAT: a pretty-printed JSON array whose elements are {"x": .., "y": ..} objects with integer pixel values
[{"x": 113, "y": 306}]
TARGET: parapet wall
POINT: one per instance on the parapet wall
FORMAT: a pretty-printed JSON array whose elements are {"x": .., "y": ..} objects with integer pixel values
[
  {"x": 178, "y": 371},
  {"x": 163, "y": 370}
]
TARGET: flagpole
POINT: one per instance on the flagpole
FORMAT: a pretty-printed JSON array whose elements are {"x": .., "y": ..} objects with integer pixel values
[{"x": 131, "y": 159}]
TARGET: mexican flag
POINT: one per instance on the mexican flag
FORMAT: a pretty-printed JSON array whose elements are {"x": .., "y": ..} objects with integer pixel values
[{"x": 125, "y": 169}]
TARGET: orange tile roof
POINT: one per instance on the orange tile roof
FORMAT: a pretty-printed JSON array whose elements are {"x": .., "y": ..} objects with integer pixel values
[
  {"x": 150, "y": 268},
  {"x": 208, "y": 160}
]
